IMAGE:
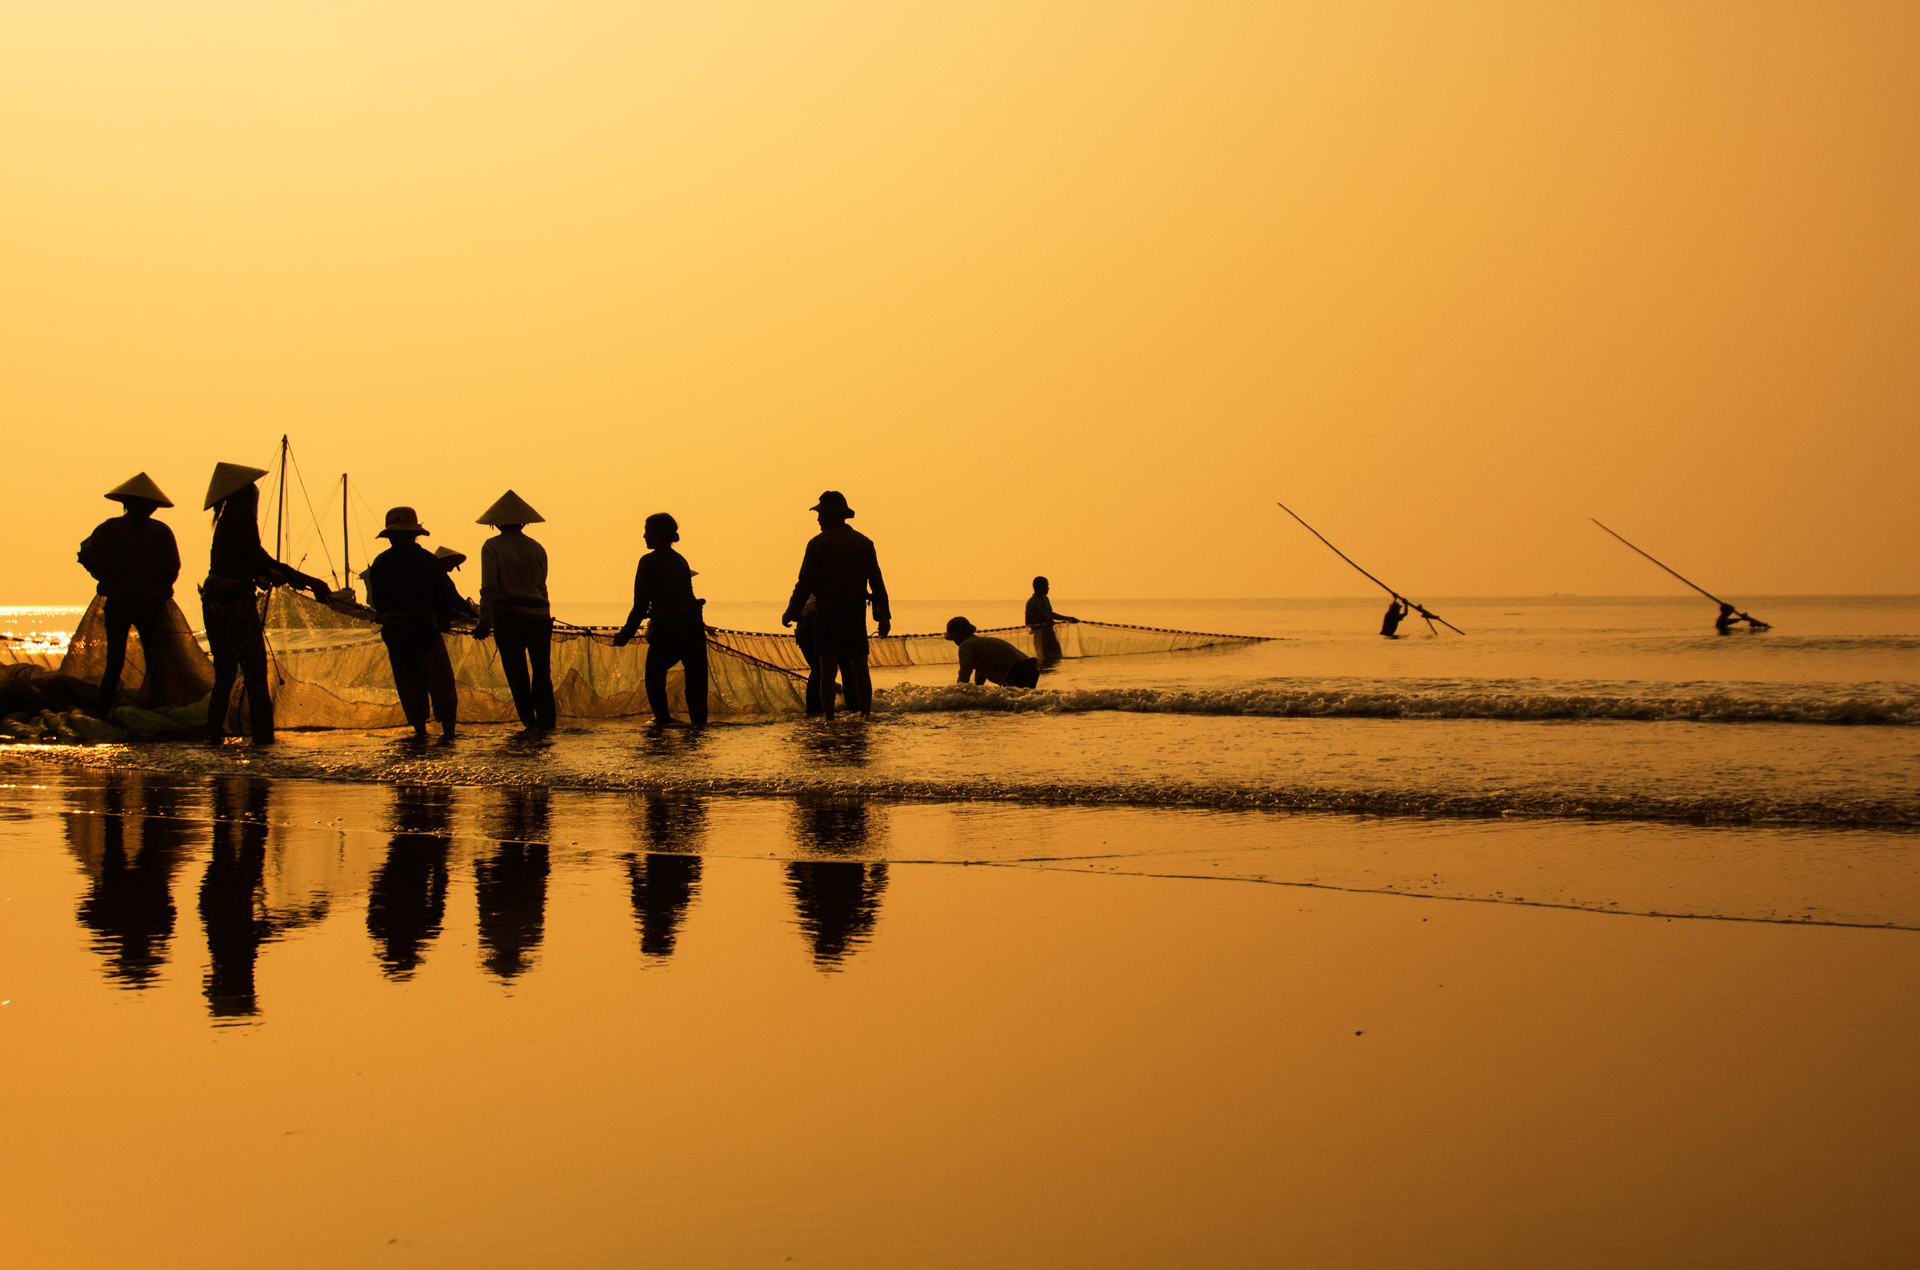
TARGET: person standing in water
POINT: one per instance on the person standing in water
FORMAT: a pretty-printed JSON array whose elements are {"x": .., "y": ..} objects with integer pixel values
[
  {"x": 135, "y": 560},
  {"x": 989, "y": 659},
  {"x": 1041, "y": 619},
  {"x": 676, "y": 633},
  {"x": 840, "y": 569},
  {"x": 1396, "y": 614},
  {"x": 410, "y": 590},
  {"x": 237, "y": 567},
  {"x": 514, "y": 608}
]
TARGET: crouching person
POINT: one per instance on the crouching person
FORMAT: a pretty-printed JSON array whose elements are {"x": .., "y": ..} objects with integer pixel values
[
  {"x": 985, "y": 659},
  {"x": 409, "y": 588}
]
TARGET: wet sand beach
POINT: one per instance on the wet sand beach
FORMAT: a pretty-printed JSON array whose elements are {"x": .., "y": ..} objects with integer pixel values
[{"x": 320, "y": 1023}]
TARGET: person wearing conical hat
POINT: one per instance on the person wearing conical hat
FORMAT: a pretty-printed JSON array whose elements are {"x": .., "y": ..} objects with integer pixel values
[
  {"x": 410, "y": 590},
  {"x": 135, "y": 560},
  {"x": 238, "y": 566},
  {"x": 839, "y": 571},
  {"x": 514, "y": 608}
]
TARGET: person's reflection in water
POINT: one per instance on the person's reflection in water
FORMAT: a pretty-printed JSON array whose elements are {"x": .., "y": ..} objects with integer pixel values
[
  {"x": 129, "y": 900},
  {"x": 833, "y": 748},
  {"x": 835, "y": 901},
  {"x": 407, "y": 900},
  {"x": 510, "y": 887},
  {"x": 667, "y": 878},
  {"x": 231, "y": 894}
]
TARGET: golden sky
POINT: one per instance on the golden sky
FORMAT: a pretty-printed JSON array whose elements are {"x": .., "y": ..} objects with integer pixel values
[{"x": 1075, "y": 288}]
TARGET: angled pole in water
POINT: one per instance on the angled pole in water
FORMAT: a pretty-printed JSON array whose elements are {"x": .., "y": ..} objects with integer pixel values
[
  {"x": 1750, "y": 620},
  {"x": 1431, "y": 617}
]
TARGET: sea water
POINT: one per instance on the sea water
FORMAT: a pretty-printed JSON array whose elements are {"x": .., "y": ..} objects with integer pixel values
[{"x": 1569, "y": 706}]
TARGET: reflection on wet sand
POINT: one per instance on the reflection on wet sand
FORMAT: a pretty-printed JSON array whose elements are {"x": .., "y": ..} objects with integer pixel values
[
  {"x": 510, "y": 886},
  {"x": 407, "y": 901},
  {"x": 836, "y": 901},
  {"x": 666, "y": 878},
  {"x": 232, "y": 895},
  {"x": 127, "y": 837}
]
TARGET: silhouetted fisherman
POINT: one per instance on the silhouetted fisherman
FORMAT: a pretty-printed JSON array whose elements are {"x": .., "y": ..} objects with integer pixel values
[
  {"x": 514, "y": 608},
  {"x": 989, "y": 659},
  {"x": 238, "y": 567},
  {"x": 407, "y": 895},
  {"x": 441, "y": 685},
  {"x": 839, "y": 570},
  {"x": 510, "y": 886},
  {"x": 1041, "y": 619},
  {"x": 676, "y": 632},
  {"x": 135, "y": 560},
  {"x": 232, "y": 894},
  {"x": 1396, "y": 614},
  {"x": 408, "y": 587}
]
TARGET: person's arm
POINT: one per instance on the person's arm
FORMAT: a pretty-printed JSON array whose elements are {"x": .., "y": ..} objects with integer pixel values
[
  {"x": 90, "y": 555},
  {"x": 802, "y": 588},
  {"x": 966, "y": 663},
  {"x": 641, "y": 602},
  {"x": 882, "y": 610},
  {"x": 172, "y": 557},
  {"x": 287, "y": 575}
]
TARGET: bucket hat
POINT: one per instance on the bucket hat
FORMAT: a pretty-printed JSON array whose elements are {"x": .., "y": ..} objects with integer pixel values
[
  {"x": 139, "y": 486},
  {"x": 833, "y": 501},
  {"x": 959, "y": 628},
  {"x": 229, "y": 479},
  {"x": 402, "y": 520},
  {"x": 509, "y": 509}
]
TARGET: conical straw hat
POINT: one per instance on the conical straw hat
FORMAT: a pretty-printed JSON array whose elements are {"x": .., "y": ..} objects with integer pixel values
[
  {"x": 509, "y": 509},
  {"x": 140, "y": 486},
  {"x": 229, "y": 479},
  {"x": 448, "y": 557}
]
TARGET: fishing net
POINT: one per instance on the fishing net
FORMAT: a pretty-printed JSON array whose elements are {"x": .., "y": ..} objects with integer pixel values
[
  {"x": 1069, "y": 639},
  {"x": 175, "y": 671},
  {"x": 330, "y": 670}
]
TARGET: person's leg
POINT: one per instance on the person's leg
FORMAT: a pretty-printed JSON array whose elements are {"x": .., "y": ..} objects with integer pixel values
[
  {"x": 119, "y": 617},
  {"x": 660, "y": 659},
  {"x": 410, "y": 678},
  {"x": 226, "y": 664},
  {"x": 443, "y": 694},
  {"x": 829, "y": 670},
  {"x": 253, "y": 667},
  {"x": 859, "y": 683},
  {"x": 540, "y": 667},
  {"x": 509, "y": 640},
  {"x": 152, "y": 622},
  {"x": 694, "y": 659}
]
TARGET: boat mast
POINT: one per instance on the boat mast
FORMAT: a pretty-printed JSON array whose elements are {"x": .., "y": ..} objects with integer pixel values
[
  {"x": 280, "y": 504},
  {"x": 346, "y": 541}
]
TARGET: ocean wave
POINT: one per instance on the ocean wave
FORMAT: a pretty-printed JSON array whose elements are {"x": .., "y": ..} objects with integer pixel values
[
  {"x": 1839, "y": 705},
  {"x": 401, "y": 766}
]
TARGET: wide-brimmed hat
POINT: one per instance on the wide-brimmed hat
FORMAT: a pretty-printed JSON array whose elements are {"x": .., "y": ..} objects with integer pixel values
[
  {"x": 960, "y": 628},
  {"x": 449, "y": 558},
  {"x": 402, "y": 520},
  {"x": 509, "y": 509},
  {"x": 139, "y": 486},
  {"x": 229, "y": 479},
  {"x": 832, "y": 501}
]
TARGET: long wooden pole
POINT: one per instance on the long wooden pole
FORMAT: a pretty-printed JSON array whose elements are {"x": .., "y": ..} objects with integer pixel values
[
  {"x": 1690, "y": 582},
  {"x": 1431, "y": 617},
  {"x": 346, "y": 538}
]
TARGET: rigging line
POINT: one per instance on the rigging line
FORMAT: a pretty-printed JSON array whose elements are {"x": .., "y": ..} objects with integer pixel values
[
  {"x": 308, "y": 499},
  {"x": 1430, "y": 617}
]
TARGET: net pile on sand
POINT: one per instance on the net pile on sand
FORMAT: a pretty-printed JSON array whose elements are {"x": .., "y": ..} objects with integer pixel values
[{"x": 1075, "y": 639}]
